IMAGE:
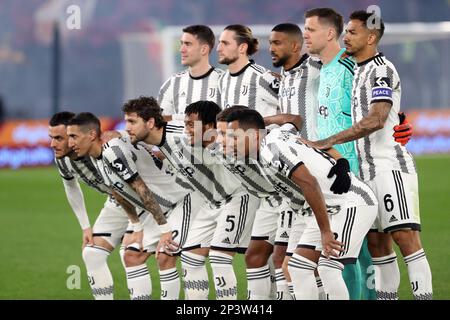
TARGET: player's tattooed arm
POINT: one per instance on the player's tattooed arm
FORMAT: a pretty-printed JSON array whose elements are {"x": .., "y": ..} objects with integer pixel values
[
  {"x": 374, "y": 121},
  {"x": 148, "y": 199},
  {"x": 128, "y": 207},
  {"x": 283, "y": 118}
]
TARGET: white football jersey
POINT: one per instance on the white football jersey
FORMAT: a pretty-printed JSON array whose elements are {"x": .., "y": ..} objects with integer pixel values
[
  {"x": 251, "y": 177},
  {"x": 299, "y": 87},
  {"x": 199, "y": 167},
  {"x": 182, "y": 89},
  {"x": 254, "y": 87},
  {"x": 84, "y": 169},
  {"x": 282, "y": 152},
  {"x": 375, "y": 80},
  {"x": 122, "y": 161}
]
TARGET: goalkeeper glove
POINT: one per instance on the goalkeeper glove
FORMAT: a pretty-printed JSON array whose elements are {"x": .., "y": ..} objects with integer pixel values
[
  {"x": 343, "y": 181},
  {"x": 403, "y": 131}
]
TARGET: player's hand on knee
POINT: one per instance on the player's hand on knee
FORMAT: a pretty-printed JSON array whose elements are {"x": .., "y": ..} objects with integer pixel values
[
  {"x": 403, "y": 131},
  {"x": 136, "y": 238},
  {"x": 343, "y": 180},
  {"x": 166, "y": 244},
  {"x": 331, "y": 247},
  {"x": 88, "y": 239}
]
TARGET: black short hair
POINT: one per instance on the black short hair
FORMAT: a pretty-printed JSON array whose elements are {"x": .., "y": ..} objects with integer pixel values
[
  {"x": 244, "y": 35},
  {"x": 248, "y": 118},
  {"x": 203, "y": 33},
  {"x": 223, "y": 115},
  {"x": 364, "y": 16},
  {"x": 61, "y": 118},
  {"x": 330, "y": 16},
  {"x": 86, "y": 120},
  {"x": 290, "y": 29},
  {"x": 206, "y": 110},
  {"x": 146, "y": 108}
]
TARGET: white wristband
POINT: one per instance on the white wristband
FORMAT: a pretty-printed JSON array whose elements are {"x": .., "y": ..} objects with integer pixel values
[
  {"x": 137, "y": 227},
  {"x": 164, "y": 228}
]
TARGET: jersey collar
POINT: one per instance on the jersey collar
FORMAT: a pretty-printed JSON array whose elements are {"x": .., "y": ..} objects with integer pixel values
[
  {"x": 370, "y": 59},
  {"x": 242, "y": 70},
  {"x": 302, "y": 59},
  {"x": 203, "y": 75}
]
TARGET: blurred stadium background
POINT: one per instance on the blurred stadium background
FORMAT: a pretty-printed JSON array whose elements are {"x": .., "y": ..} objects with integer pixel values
[{"x": 128, "y": 48}]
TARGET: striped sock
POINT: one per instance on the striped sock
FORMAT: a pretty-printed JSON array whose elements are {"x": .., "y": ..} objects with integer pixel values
[
  {"x": 387, "y": 277},
  {"x": 419, "y": 275},
  {"x": 282, "y": 286},
  {"x": 301, "y": 270},
  {"x": 139, "y": 282},
  {"x": 258, "y": 283},
  {"x": 195, "y": 276},
  {"x": 170, "y": 284},
  {"x": 330, "y": 271}
]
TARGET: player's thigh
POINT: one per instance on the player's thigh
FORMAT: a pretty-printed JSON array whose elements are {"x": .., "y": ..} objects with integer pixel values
[
  {"x": 285, "y": 223},
  {"x": 110, "y": 225},
  {"x": 235, "y": 223},
  {"x": 398, "y": 201},
  {"x": 201, "y": 229},
  {"x": 265, "y": 224},
  {"x": 350, "y": 226}
]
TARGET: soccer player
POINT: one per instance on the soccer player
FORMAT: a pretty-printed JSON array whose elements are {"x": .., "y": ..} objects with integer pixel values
[
  {"x": 198, "y": 82},
  {"x": 226, "y": 226},
  {"x": 383, "y": 163},
  {"x": 245, "y": 83},
  {"x": 112, "y": 222},
  {"x": 297, "y": 96},
  {"x": 323, "y": 27},
  {"x": 141, "y": 181},
  {"x": 336, "y": 223}
]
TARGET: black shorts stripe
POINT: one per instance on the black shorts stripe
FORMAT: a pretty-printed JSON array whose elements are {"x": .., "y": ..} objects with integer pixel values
[
  {"x": 306, "y": 246},
  {"x": 403, "y": 226},
  {"x": 101, "y": 234},
  {"x": 400, "y": 195},
  {"x": 238, "y": 250},
  {"x": 347, "y": 230},
  {"x": 259, "y": 238},
  {"x": 242, "y": 217},
  {"x": 402, "y": 188}
]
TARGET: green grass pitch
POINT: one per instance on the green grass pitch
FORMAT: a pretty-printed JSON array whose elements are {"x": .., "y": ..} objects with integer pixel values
[{"x": 42, "y": 239}]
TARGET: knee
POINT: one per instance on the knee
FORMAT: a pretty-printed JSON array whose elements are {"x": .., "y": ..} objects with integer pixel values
[
  {"x": 407, "y": 240},
  {"x": 134, "y": 258},
  {"x": 94, "y": 256},
  {"x": 278, "y": 258},
  {"x": 166, "y": 262},
  {"x": 380, "y": 246},
  {"x": 254, "y": 259}
]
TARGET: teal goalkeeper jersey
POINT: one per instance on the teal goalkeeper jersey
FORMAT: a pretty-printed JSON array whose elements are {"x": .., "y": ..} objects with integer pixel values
[{"x": 334, "y": 113}]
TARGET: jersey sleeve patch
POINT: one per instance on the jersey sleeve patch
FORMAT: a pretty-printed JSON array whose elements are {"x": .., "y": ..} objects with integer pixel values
[{"x": 382, "y": 89}]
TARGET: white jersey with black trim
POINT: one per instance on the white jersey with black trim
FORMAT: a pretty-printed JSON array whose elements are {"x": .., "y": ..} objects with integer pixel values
[
  {"x": 377, "y": 80},
  {"x": 253, "y": 86},
  {"x": 299, "y": 87},
  {"x": 84, "y": 169},
  {"x": 121, "y": 162},
  {"x": 250, "y": 175},
  {"x": 182, "y": 89},
  {"x": 282, "y": 152},
  {"x": 199, "y": 167}
]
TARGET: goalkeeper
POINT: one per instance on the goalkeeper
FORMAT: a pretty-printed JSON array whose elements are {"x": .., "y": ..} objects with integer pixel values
[{"x": 334, "y": 115}]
